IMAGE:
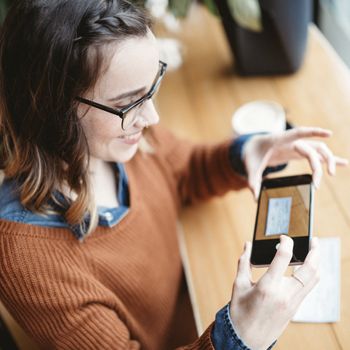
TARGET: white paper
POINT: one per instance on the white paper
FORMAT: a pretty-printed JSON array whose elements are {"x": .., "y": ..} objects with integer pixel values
[
  {"x": 323, "y": 302},
  {"x": 278, "y": 216}
]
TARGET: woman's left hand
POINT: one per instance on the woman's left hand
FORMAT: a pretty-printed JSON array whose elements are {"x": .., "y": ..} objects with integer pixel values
[{"x": 275, "y": 149}]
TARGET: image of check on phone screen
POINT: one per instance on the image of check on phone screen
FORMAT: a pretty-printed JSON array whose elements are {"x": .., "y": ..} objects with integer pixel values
[{"x": 285, "y": 207}]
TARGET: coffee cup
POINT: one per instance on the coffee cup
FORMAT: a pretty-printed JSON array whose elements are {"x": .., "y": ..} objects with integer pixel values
[{"x": 259, "y": 116}]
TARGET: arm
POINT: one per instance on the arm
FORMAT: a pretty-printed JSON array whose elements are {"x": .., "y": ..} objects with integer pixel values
[
  {"x": 58, "y": 302},
  {"x": 68, "y": 312},
  {"x": 197, "y": 172},
  {"x": 202, "y": 171}
]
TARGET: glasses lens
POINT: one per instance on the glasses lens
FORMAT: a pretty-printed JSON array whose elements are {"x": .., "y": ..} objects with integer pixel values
[{"x": 131, "y": 116}]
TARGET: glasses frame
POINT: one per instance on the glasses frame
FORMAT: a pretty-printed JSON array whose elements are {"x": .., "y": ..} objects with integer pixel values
[{"x": 122, "y": 112}]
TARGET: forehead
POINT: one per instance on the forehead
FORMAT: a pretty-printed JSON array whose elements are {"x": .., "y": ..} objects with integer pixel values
[{"x": 133, "y": 64}]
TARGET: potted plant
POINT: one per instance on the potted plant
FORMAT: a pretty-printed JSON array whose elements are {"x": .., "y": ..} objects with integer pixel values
[
  {"x": 265, "y": 36},
  {"x": 279, "y": 46},
  {"x": 4, "y": 4}
]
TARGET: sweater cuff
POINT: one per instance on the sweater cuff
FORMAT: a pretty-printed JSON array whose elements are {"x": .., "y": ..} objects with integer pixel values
[
  {"x": 236, "y": 156},
  {"x": 224, "y": 335},
  {"x": 204, "y": 342}
]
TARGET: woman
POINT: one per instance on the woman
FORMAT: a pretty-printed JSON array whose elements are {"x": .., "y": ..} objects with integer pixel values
[{"x": 89, "y": 256}]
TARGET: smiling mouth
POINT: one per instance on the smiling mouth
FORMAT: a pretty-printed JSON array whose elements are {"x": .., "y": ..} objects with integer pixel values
[{"x": 131, "y": 138}]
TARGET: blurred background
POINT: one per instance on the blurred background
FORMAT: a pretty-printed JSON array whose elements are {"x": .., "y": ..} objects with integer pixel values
[
  {"x": 331, "y": 16},
  {"x": 225, "y": 53}
]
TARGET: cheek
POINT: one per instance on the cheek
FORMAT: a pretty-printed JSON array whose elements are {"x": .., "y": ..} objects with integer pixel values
[
  {"x": 101, "y": 129},
  {"x": 102, "y": 137}
]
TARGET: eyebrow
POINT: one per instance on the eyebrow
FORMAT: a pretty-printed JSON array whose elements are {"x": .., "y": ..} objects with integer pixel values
[{"x": 127, "y": 94}]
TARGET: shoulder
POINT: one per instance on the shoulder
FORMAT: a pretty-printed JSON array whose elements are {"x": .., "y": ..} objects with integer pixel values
[
  {"x": 10, "y": 206},
  {"x": 12, "y": 210},
  {"x": 42, "y": 280},
  {"x": 26, "y": 258}
]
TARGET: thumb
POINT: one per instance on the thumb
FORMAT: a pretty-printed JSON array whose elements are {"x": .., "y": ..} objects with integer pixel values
[
  {"x": 244, "y": 272},
  {"x": 255, "y": 174},
  {"x": 254, "y": 184},
  {"x": 257, "y": 189}
]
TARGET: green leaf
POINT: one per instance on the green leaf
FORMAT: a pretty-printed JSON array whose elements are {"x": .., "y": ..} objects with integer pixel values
[
  {"x": 210, "y": 4},
  {"x": 4, "y": 5},
  {"x": 179, "y": 8}
]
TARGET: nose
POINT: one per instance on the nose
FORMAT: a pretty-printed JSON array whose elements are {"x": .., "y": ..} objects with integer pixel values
[{"x": 149, "y": 113}]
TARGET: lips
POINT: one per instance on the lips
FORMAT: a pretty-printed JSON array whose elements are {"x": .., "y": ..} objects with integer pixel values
[{"x": 131, "y": 139}]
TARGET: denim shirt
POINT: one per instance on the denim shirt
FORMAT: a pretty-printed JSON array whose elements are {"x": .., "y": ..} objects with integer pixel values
[
  {"x": 223, "y": 334},
  {"x": 12, "y": 210}
]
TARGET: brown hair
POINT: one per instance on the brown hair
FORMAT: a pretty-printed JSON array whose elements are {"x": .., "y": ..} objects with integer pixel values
[{"x": 51, "y": 52}]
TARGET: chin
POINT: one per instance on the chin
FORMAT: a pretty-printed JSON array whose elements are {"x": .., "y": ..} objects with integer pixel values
[{"x": 126, "y": 155}]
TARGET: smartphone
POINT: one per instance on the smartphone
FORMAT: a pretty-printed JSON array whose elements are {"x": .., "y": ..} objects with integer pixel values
[{"x": 285, "y": 207}]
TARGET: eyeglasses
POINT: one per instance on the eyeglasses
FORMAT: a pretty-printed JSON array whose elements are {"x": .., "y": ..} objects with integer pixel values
[{"x": 127, "y": 118}]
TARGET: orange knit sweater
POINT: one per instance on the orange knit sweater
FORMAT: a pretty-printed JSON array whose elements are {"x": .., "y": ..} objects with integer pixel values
[{"x": 121, "y": 287}]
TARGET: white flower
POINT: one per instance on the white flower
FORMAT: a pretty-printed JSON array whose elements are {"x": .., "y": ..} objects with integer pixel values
[
  {"x": 246, "y": 13},
  {"x": 170, "y": 52},
  {"x": 157, "y": 8}
]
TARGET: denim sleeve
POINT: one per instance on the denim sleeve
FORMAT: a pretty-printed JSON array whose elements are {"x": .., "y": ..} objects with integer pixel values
[
  {"x": 236, "y": 156},
  {"x": 223, "y": 335}
]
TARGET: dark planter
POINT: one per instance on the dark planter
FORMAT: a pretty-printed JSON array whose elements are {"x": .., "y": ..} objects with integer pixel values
[{"x": 280, "y": 47}]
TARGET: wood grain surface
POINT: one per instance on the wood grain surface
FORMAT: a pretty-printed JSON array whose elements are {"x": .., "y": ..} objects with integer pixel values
[{"x": 197, "y": 102}]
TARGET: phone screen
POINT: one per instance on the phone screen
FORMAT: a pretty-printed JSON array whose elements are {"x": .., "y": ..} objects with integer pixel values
[{"x": 284, "y": 208}]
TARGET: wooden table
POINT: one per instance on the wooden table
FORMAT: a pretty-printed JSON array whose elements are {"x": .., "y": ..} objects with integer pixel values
[{"x": 197, "y": 101}]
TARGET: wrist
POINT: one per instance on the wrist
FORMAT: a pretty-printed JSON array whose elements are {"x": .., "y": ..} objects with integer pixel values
[
  {"x": 248, "y": 332},
  {"x": 223, "y": 334},
  {"x": 236, "y": 153}
]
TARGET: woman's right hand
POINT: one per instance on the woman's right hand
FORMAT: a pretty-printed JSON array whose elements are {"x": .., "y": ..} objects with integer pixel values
[{"x": 261, "y": 311}]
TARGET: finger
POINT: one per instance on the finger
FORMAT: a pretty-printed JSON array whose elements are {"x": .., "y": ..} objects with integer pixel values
[
  {"x": 255, "y": 193},
  {"x": 302, "y": 132},
  {"x": 254, "y": 181},
  {"x": 308, "y": 152},
  {"x": 308, "y": 272},
  {"x": 257, "y": 189},
  {"x": 327, "y": 155},
  {"x": 244, "y": 272},
  {"x": 281, "y": 260},
  {"x": 312, "y": 258},
  {"x": 254, "y": 185},
  {"x": 341, "y": 161}
]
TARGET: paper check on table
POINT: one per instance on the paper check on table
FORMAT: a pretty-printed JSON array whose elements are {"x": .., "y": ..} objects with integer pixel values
[
  {"x": 323, "y": 302},
  {"x": 278, "y": 216}
]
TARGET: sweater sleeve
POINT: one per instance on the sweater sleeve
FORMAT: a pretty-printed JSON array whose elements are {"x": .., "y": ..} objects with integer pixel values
[
  {"x": 200, "y": 171},
  {"x": 62, "y": 306},
  {"x": 204, "y": 342}
]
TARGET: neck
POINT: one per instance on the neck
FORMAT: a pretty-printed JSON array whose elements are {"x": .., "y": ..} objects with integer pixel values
[{"x": 103, "y": 182}]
